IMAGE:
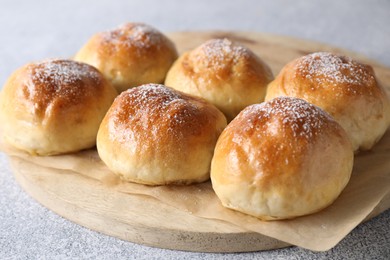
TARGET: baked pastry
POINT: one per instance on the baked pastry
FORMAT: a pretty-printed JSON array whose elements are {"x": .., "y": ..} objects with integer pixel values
[
  {"x": 226, "y": 74},
  {"x": 281, "y": 159},
  {"x": 155, "y": 135},
  {"x": 343, "y": 87},
  {"x": 54, "y": 106},
  {"x": 130, "y": 55}
]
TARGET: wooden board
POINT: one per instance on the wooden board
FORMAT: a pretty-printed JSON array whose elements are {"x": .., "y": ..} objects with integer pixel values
[{"x": 144, "y": 220}]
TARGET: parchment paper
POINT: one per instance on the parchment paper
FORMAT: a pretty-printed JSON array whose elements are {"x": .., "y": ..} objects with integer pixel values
[{"x": 370, "y": 183}]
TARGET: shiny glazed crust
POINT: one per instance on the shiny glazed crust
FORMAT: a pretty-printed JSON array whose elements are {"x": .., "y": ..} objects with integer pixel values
[
  {"x": 130, "y": 55},
  {"x": 54, "y": 106},
  {"x": 156, "y": 135},
  {"x": 346, "y": 89},
  {"x": 225, "y": 73},
  {"x": 281, "y": 159}
]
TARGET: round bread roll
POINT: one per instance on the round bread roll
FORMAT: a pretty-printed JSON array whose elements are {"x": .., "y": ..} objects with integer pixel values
[
  {"x": 130, "y": 55},
  {"x": 281, "y": 159},
  {"x": 226, "y": 74},
  {"x": 155, "y": 135},
  {"x": 54, "y": 106},
  {"x": 346, "y": 89}
]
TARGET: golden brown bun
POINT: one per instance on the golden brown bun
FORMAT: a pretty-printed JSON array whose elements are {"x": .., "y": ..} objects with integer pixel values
[
  {"x": 281, "y": 159},
  {"x": 155, "y": 135},
  {"x": 224, "y": 73},
  {"x": 54, "y": 106},
  {"x": 346, "y": 89},
  {"x": 130, "y": 55}
]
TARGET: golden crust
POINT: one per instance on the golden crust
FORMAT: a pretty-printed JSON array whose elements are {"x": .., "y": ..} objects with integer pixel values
[
  {"x": 130, "y": 55},
  {"x": 156, "y": 135},
  {"x": 225, "y": 73},
  {"x": 281, "y": 159},
  {"x": 345, "y": 88},
  {"x": 54, "y": 106}
]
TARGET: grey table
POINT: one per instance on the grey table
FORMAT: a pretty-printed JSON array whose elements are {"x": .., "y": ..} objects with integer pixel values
[{"x": 35, "y": 30}]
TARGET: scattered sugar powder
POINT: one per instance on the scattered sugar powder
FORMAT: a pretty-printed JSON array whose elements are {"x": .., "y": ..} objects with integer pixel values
[
  {"x": 61, "y": 72},
  {"x": 328, "y": 68},
  {"x": 281, "y": 130},
  {"x": 138, "y": 35},
  {"x": 300, "y": 117},
  {"x": 143, "y": 95},
  {"x": 64, "y": 82},
  {"x": 145, "y": 110},
  {"x": 219, "y": 53}
]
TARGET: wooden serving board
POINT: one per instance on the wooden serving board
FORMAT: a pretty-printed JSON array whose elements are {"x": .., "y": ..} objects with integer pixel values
[{"x": 145, "y": 220}]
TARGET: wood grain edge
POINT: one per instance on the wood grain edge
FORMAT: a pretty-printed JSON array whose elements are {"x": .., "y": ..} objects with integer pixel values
[{"x": 161, "y": 237}]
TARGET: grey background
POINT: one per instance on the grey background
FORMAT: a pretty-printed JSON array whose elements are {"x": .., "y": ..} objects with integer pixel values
[{"x": 35, "y": 30}]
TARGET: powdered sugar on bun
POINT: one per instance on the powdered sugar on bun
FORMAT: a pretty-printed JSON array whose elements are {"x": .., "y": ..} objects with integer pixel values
[
  {"x": 343, "y": 87},
  {"x": 225, "y": 73},
  {"x": 281, "y": 159},
  {"x": 138, "y": 36},
  {"x": 156, "y": 135},
  {"x": 296, "y": 116},
  {"x": 325, "y": 68},
  {"x": 130, "y": 55},
  {"x": 54, "y": 106}
]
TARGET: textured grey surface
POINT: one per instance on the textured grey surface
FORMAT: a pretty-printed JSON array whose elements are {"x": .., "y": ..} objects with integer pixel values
[{"x": 34, "y": 30}]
